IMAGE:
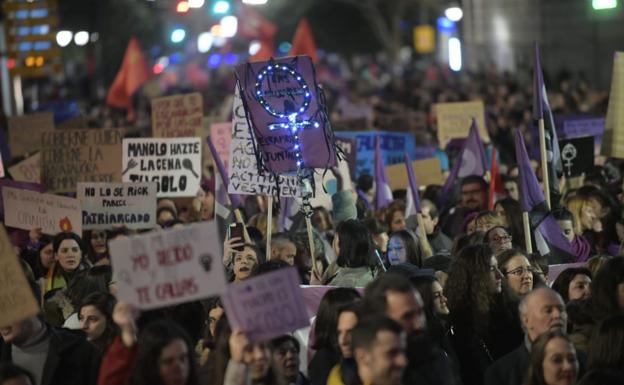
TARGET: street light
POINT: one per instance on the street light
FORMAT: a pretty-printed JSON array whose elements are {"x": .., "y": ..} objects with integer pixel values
[
  {"x": 454, "y": 12},
  {"x": 63, "y": 38},
  {"x": 81, "y": 38},
  {"x": 178, "y": 35},
  {"x": 255, "y": 2},
  {"x": 229, "y": 26}
]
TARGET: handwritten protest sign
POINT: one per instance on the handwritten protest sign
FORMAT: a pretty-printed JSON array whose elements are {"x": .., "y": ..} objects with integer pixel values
[
  {"x": 349, "y": 149},
  {"x": 267, "y": 305},
  {"x": 106, "y": 205},
  {"x": 29, "y": 210},
  {"x": 164, "y": 268},
  {"x": 393, "y": 146},
  {"x": 17, "y": 301},
  {"x": 221, "y": 136},
  {"x": 243, "y": 166},
  {"x": 613, "y": 140},
  {"x": 25, "y": 131},
  {"x": 454, "y": 120},
  {"x": 286, "y": 113},
  {"x": 177, "y": 116},
  {"x": 173, "y": 163},
  {"x": 87, "y": 155},
  {"x": 584, "y": 127},
  {"x": 28, "y": 170},
  {"x": 19, "y": 185},
  {"x": 426, "y": 171},
  {"x": 577, "y": 155},
  {"x": 76, "y": 122}
]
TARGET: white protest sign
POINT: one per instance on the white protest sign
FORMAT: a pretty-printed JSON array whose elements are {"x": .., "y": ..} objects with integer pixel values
[
  {"x": 28, "y": 170},
  {"x": 106, "y": 205},
  {"x": 267, "y": 305},
  {"x": 243, "y": 167},
  {"x": 164, "y": 268},
  {"x": 27, "y": 210},
  {"x": 173, "y": 163}
]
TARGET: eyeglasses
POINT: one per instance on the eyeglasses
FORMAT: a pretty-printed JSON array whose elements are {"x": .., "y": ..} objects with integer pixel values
[
  {"x": 520, "y": 271},
  {"x": 502, "y": 238}
]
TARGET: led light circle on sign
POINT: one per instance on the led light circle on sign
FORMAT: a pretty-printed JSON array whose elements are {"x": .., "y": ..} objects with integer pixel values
[{"x": 299, "y": 97}]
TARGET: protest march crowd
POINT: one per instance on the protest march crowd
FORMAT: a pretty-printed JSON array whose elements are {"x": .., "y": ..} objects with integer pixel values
[{"x": 490, "y": 275}]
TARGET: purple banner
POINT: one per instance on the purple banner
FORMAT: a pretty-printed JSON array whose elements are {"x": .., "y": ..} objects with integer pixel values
[
  {"x": 584, "y": 127},
  {"x": 281, "y": 100}
]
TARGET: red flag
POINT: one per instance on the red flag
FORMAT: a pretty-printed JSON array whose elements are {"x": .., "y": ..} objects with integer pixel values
[
  {"x": 133, "y": 73},
  {"x": 496, "y": 182},
  {"x": 255, "y": 26},
  {"x": 303, "y": 42}
]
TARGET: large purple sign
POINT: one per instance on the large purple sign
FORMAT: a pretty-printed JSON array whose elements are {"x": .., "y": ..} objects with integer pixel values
[{"x": 282, "y": 102}]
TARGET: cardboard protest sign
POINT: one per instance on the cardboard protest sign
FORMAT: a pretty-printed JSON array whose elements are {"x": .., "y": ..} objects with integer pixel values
[
  {"x": 613, "y": 140},
  {"x": 25, "y": 131},
  {"x": 106, "y": 205},
  {"x": 243, "y": 166},
  {"x": 87, "y": 155},
  {"x": 76, "y": 122},
  {"x": 427, "y": 171},
  {"x": 163, "y": 268},
  {"x": 577, "y": 155},
  {"x": 173, "y": 163},
  {"x": 221, "y": 136},
  {"x": 19, "y": 185},
  {"x": 28, "y": 170},
  {"x": 286, "y": 114},
  {"x": 454, "y": 120},
  {"x": 555, "y": 270},
  {"x": 349, "y": 149},
  {"x": 17, "y": 301},
  {"x": 177, "y": 116},
  {"x": 267, "y": 305},
  {"x": 29, "y": 210},
  {"x": 393, "y": 146}
]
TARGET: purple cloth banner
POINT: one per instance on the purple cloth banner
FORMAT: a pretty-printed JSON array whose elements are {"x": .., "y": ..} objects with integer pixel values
[
  {"x": 234, "y": 199},
  {"x": 282, "y": 102},
  {"x": 413, "y": 197}
]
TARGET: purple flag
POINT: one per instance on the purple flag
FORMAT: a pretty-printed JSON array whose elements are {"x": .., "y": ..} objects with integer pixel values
[
  {"x": 549, "y": 238},
  {"x": 286, "y": 211},
  {"x": 471, "y": 162},
  {"x": 541, "y": 110},
  {"x": 362, "y": 195},
  {"x": 383, "y": 192},
  {"x": 413, "y": 198},
  {"x": 234, "y": 199}
]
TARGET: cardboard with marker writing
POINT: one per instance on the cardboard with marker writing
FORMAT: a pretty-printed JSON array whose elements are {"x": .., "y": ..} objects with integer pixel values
[
  {"x": 86, "y": 155},
  {"x": 173, "y": 163},
  {"x": 427, "y": 171},
  {"x": 27, "y": 210},
  {"x": 454, "y": 120},
  {"x": 28, "y": 170},
  {"x": 109, "y": 205},
  {"x": 25, "y": 131},
  {"x": 178, "y": 116},
  {"x": 17, "y": 301},
  {"x": 164, "y": 268}
]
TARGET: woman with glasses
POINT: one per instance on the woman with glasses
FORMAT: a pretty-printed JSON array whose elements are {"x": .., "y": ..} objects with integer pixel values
[
  {"x": 499, "y": 240},
  {"x": 517, "y": 272}
]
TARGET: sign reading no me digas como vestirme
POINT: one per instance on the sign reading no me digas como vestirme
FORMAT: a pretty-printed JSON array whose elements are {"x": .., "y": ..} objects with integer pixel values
[
  {"x": 174, "y": 164},
  {"x": 106, "y": 205}
]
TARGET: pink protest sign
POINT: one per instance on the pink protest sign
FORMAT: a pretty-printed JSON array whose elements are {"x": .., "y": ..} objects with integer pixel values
[
  {"x": 287, "y": 115},
  {"x": 267, "y": 305},
  {"x": 221, "y": 136}
]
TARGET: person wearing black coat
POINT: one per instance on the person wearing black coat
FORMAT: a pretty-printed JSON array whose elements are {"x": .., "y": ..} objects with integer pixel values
[{"x": 54, "y": 356}]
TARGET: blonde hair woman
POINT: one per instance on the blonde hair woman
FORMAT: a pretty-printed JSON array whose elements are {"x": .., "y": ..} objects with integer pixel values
[{"x": 585, "y": 218}]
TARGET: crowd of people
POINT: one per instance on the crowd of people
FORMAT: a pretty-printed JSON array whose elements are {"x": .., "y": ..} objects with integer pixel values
[{"x": 467, "y": 305}]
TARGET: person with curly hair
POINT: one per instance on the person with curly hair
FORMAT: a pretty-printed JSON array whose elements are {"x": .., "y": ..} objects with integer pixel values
[{"x": 485, "y": 329}]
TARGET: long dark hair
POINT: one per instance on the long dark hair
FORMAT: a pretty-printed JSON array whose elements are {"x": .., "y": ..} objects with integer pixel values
[
  {"x": 468, "y": 287},
  {"x": 535, "y": 374},
  {"x": 104, "y": 303},
  {"x": 513, "y": 213},
  {"x": 604, "y": 289},
  {"x": 562, "y": 283},
  {"x": 93, "y": 280},
  {"x": 356, "y": 245},
  {"x": 606, "y": 347},
  {"x": 325, "y": 336},
  {"x": 63, "y": 236},
  {"x": 413, "y": 250},
  {"x": 152, "y": 340}
]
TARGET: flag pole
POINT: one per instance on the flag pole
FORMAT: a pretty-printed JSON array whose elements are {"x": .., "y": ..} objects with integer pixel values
[
  {"x": 527, "y": 232},
  {"x": 542, "y": 139},
  {"x": 269, "y": 227}
]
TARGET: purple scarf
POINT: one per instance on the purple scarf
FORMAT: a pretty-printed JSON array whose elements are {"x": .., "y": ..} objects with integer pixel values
[{"x": 581, "y": 248}]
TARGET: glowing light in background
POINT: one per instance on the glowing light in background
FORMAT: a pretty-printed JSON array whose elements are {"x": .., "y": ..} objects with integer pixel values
[{"x": 455, "y": 55}]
